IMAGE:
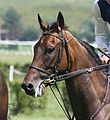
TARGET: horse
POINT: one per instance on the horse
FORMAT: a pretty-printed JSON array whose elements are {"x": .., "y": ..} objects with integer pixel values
[
  {"x": 3, "y": 98},
  {"x": 59, "y": 53}
]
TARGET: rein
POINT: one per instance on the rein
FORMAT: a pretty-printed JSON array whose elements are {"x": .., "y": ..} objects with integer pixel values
[
  {"x": 54, "y": 78},
  {"x": 77, "y": 73},
  {"x": 56, "y": 71}
]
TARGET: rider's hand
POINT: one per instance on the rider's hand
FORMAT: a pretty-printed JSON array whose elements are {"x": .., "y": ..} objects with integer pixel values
[{"x": 105, "y": 59}]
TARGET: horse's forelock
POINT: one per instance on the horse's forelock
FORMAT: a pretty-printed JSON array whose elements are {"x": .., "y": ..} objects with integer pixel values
[{"x": 53, "y": 27}]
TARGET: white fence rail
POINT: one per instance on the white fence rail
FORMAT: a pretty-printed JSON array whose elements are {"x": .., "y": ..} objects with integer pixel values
[
  {"x": 13, "y": 71},
  {"x": 15, "y": 42}
]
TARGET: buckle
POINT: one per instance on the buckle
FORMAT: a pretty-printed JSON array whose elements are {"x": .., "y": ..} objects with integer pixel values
[{"x": 89, "y": 70}]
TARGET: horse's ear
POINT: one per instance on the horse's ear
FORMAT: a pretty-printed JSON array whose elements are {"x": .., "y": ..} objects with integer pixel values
[
  {"x": 60, "y": 20},
  {"x": 43, "y": 25}
]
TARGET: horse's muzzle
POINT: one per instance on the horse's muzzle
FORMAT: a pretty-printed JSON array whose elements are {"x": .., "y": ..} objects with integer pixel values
[{"x": 29, "y": 88}]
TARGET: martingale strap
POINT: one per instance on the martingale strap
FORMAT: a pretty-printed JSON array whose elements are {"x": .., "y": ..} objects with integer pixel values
[
  {"x": 78, "y": 72},
  {"x": 75, "y": 74},
  {"x": 54, "y": 78},
  {"x": 103, "y": 102}
]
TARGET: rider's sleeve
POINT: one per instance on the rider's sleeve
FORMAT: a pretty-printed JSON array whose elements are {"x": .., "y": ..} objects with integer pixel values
[{"x": 100, "y": 28}]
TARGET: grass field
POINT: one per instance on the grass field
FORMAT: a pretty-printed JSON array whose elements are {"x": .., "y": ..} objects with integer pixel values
[
  {"x": 16, "y": 54},
  {"x": 52, "y": 111},
  {"x": 14, "y": 57},
  {"x": 20, "y": 117},
  {"x": 36, "y": 118}
]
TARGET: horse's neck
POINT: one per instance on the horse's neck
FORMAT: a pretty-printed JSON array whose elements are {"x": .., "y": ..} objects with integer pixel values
[
  {"x": 80, "y": 56},
  {"x": 88, "y": 90},
  {"x": 81, "y": 59}
]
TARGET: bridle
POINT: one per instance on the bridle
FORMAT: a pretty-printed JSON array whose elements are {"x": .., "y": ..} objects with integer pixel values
[
  {"x": 54, "y": 78},
  {"x": 55, "y": 72},
  {"x": 64, "y": 45}
]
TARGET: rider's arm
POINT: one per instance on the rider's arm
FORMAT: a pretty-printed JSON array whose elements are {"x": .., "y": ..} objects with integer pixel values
[{"x": 100, "y": 28}]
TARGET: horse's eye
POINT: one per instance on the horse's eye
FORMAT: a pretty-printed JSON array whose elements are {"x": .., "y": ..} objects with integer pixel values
[{"x": 50, "y": 50}]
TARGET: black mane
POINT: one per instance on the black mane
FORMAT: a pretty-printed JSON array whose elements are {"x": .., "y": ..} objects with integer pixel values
[{"x": 92, "y": 52}]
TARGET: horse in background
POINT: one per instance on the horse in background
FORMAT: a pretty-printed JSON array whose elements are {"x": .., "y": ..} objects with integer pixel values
[
  {"x": 3, "y": 98},
  {"x": 58, "y": 52}
]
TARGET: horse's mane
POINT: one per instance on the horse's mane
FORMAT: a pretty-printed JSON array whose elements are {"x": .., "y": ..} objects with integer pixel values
[{"x": 91, "y": 51}]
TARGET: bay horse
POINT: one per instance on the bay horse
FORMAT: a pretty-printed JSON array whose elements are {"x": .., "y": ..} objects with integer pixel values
[
  {"x": 3, "y": 98},
  {"x": 59, "y": 53}
]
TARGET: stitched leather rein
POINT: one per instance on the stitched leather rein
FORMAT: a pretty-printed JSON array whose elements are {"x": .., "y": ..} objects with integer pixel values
[{"x": 54, "y": 78}]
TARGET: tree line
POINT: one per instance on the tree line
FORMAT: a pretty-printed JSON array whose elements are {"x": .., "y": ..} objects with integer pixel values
[{"x": 16, "y": 30}]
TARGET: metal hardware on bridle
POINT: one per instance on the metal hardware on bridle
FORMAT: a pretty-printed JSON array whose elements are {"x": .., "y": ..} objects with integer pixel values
[
  {"x": 84, "y": 71},
  {"x": 56, "y": 71},
  {"x": 54, "y": 78},
  {"x": 50, "y": 81},
  {"x": 56, "y": 66},
  {"x": 78, "y": 72},
  {"x": 70, "y": 74}
]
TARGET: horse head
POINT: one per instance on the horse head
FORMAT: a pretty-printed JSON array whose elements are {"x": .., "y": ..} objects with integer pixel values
[{"x": 50, "y": 55}]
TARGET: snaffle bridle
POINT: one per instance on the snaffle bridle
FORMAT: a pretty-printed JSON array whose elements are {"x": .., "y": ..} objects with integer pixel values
[{"x": 54, "y": 77}]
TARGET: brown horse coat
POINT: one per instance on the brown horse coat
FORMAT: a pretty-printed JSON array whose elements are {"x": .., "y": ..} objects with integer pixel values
[
  {"x": 87, "y": 91},
  {"x": 3, "y": 98}
]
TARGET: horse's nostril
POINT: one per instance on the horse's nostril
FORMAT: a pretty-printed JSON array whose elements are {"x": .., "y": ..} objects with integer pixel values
[{"x": 30, "y": 86}]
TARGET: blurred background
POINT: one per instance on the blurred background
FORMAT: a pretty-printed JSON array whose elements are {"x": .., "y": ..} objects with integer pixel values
[{"x": 19, "y": 31}]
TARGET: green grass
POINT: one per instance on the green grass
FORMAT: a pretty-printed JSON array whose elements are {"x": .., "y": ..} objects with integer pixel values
[
  {"x": 52, "y": 111},
  {"x": 15, "y": 57},
  {"x": 15, "y": 54},
  {"x": 23, "y": 117}
]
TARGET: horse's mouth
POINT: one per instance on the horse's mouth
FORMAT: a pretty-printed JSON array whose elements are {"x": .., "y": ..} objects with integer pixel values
[
  {"x": 35, "y": 91},
  {"x": 39, "y": 91}
]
